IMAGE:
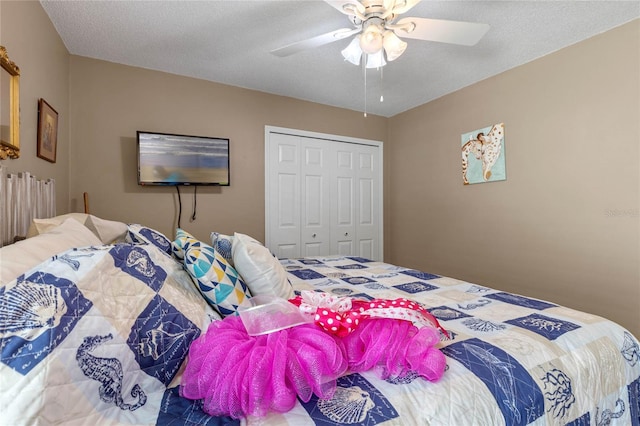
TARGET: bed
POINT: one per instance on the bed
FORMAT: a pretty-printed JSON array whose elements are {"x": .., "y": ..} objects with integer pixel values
[{"x": 97, "y": 319}]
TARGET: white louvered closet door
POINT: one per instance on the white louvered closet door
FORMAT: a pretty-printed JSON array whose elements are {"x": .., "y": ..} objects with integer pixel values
[
  {"x": 323, "y": 195},
  {"x": 283, "y": 195},
  {"x": 344, "y": 202},
  {"x": 315, "y": 197},
  {"x": 356, "y": 218},
  {"x": 368, "y": 215},
  {"x": 298, "y": 193}
]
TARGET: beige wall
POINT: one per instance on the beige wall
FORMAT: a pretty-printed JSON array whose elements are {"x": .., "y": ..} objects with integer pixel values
[
  {"x": 109, "y": 102},
  {"x": 564, "y": 226},
  {"x": 34, "y": 45}
]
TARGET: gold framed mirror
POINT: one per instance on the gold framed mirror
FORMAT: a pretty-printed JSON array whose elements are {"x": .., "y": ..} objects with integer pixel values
[{"x": 9, "y": 107}]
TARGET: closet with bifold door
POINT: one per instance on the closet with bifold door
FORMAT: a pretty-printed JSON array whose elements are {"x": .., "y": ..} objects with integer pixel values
[{"x": 323, "y": 195}]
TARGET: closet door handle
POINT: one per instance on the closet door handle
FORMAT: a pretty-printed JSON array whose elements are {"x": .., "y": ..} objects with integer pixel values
[
  {"x": 346, "y": 234},
  {"x": 313, "y": 235}
]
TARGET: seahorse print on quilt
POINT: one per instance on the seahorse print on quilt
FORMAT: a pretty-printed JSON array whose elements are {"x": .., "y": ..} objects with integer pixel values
[
  {"x": 608, "y": 415},
  {"x": 485, "y": 148},
  {"x": 107, "y": 371}
]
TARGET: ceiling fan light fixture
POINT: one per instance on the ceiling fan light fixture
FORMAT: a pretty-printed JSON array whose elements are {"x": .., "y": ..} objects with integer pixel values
[
  {"x": 371, "y": 39},
  {"x": 376, "y": 60},
  {"x": 352, "y": 52},
  {"x": 380, "y": 36},
  {"x": 393, "y": 45}
]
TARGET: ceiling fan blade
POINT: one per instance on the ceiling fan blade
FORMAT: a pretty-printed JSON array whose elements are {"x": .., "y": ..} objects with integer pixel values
[
  {"x": 316, "y": 41},
  {"x": 351, "y": 5},
  {"x": 443, "y": 31},
  {"x": 404, "y": 6}
]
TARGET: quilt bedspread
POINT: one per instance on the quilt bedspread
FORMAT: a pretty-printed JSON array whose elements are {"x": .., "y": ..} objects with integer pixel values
[
  {"x": 100, "y": 335},
  {"x": 511, "y": 360}
]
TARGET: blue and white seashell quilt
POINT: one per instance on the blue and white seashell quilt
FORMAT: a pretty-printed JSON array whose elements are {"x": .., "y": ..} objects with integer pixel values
[
  {"x": 511, "y": 360},
  {"x": 99, "y": 335}
]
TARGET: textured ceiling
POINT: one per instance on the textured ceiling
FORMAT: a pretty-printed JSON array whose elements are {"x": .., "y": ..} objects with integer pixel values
[{"x": 229, "y": 42}]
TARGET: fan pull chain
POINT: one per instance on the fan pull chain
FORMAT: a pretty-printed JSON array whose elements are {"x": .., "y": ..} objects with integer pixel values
[
  {"x": 364, "y": 69},
  {"x": 381, "y": 85}
]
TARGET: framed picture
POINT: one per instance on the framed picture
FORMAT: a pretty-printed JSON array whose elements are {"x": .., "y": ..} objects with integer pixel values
[
  {"x": 483, "y": 155},
  {"x": 47, "y": 131}
]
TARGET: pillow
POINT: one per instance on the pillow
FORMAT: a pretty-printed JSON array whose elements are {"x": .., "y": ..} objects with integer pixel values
[
  {"x": 108, "y": 231},
  {"x": 260, "y": 269},
  {"x": 138, "y": 234},
  {"x": 223, "y": 244},
  {"x": 40, "y": 226},
  {"x": 18, "y": 258},
  {"x": 218, "y": 281},
  {"x": 182, "y": 242}
]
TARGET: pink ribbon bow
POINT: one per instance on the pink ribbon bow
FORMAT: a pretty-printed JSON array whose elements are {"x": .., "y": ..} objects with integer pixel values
[{"x": 341, "y": 315}]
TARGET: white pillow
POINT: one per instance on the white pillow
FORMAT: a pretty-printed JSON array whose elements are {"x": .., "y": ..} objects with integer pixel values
[
  {"x": 40, "y": 226},
  {"x": 18, "y": 258},
  {"x": 260, "y": 270},
  {"x": 108, "y": 231}
]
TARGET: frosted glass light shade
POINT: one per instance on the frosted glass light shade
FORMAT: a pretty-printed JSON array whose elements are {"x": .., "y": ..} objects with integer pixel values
[
  {"x": 378, "y": 46},
  {"x": 352, "y": 52},
  {"x": 376, "y": 60},
  {"x": 393, "y": 46},
  {"x": 371, "y": 39}
]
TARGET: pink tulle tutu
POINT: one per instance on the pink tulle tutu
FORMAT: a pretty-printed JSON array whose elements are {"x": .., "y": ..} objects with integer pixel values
[
  {"x": 394, "y": 348},
  {"x": 239, "y": 375}
]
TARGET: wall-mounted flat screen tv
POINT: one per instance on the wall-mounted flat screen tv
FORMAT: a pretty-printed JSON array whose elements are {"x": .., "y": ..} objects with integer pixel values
[{"x": 168, "y": 159}]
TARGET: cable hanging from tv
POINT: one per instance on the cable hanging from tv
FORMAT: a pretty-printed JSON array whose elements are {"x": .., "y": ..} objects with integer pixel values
[{"x": 195, "y": 204}]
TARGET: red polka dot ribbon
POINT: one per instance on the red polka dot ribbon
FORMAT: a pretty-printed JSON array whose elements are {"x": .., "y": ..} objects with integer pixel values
[{"x": 341, "y": 315}]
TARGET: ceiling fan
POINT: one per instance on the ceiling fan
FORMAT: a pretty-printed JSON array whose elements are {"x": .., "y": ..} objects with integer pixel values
[{"x": 379, "y": 30}]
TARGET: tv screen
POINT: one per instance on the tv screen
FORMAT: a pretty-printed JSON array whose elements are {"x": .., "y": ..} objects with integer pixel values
[{"x": 167, "y": 159}]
